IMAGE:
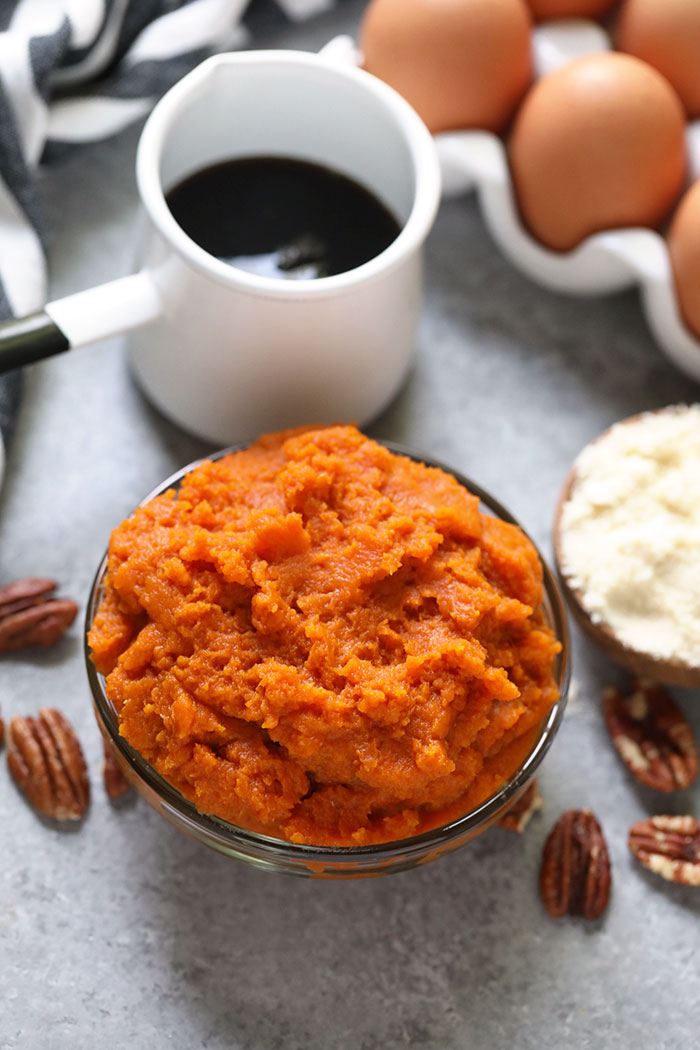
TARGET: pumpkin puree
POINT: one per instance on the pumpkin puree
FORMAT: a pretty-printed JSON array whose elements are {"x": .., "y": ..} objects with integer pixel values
[{"x": 326, "y": 642}]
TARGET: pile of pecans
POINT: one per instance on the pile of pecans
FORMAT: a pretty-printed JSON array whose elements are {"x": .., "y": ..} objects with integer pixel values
[
  {"x": 44, "y": 755},
  {"x": 655, "y": 741}
]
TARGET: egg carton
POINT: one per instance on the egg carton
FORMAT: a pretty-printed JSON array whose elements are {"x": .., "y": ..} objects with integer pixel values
[{"x": 605, "y": 262}]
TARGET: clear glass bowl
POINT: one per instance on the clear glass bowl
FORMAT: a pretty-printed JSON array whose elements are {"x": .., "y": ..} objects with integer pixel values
[{"x": 323, "y": 861}]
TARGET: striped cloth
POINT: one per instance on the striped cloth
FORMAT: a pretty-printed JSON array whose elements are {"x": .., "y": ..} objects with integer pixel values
[{"x": 73, "y": 71}]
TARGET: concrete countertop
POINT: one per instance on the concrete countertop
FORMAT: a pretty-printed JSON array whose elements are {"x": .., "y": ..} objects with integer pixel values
[{"x": 122, "y": 932}]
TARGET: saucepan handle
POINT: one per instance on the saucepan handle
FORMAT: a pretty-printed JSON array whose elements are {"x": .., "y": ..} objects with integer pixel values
[{"x": 79, "y": 320}]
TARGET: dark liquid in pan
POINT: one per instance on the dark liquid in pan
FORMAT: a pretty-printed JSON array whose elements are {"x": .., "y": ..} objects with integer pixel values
[{"x": 282, "y": 218}]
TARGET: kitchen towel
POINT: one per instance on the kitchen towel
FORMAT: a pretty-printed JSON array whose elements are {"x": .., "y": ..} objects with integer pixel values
[{"x": 74, "y": 71}]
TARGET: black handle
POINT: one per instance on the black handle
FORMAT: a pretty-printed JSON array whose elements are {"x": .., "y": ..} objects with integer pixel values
[{"x": 24, "y": 340}]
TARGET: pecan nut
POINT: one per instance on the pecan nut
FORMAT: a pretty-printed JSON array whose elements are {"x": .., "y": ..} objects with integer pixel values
[
  {"x": 525, "y": 806},
  {"x": 46, "y": 761},
  {"x": 30, "y": 616},
  {"x": 668, "y": 846},
  {"x": 575, "y": 873},
  {"x": 652, "y": 736},
  {"x": 115, "y": 782},
  {"x": 22, "y": 593}
]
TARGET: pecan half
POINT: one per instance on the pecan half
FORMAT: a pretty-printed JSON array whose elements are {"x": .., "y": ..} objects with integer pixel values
[
  {"x": 652, "y": 736},
  {"x": 668, "y": 846},
  {"x": 518, "y": 816},
  {"x": 575, "y": 872},
  {"x": 29, "y": 616},
  {"x": 46, "y": 761},
  {"x": 116, "y": 783},
  {"x": 22, "y": 593}
]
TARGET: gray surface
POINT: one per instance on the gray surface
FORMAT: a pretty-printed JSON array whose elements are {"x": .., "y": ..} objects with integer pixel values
[{"x": 123, "y": 933}]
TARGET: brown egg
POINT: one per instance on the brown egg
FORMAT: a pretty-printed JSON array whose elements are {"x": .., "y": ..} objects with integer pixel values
[
  {"x": 569, "y": 8},
  {"x": 684, "y": 249},
  {"x": 460, "y": 63},
  {"x": 666, "y": 34},
  {"x": 597, "y": 145}
]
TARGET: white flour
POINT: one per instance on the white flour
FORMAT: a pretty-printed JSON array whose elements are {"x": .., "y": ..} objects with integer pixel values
[{"x": 630, "y": 533}]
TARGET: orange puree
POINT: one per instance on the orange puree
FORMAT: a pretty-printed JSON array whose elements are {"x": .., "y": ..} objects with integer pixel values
[{"x": 326, "y": 642}]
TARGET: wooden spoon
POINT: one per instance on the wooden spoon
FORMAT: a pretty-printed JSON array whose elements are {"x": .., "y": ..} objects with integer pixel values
[{"x": 643, "y": 665}]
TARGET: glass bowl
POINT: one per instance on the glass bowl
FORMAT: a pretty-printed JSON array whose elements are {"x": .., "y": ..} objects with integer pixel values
[{"x": 327, "y": 862}]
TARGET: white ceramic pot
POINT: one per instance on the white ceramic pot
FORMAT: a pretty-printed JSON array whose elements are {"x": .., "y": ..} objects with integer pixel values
[{"x": 226, "y": 353}]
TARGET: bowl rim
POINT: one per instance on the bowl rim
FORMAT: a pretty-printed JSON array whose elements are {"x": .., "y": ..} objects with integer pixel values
[{"x": 230, "y": 834}]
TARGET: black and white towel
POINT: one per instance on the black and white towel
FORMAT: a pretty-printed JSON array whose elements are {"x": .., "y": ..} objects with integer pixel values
[{"x": 73, "y": 71}]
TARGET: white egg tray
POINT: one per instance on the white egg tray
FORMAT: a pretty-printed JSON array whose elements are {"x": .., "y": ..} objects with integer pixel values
[{"x": 605, "y": 262}]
